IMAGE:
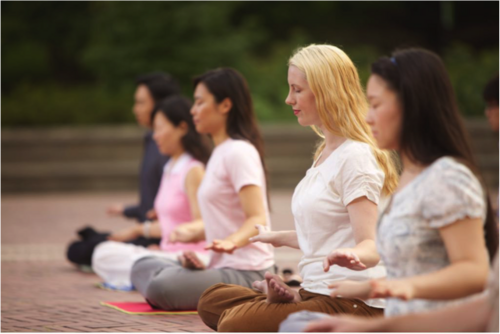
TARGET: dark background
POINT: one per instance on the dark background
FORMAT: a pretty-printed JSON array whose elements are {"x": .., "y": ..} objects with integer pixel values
[{"x": 73, "y": 63}]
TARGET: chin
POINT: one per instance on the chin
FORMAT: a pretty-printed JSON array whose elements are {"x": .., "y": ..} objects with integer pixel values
[
  {"x": 199, "y": 129},
  {"x": 302, "y": 122}
]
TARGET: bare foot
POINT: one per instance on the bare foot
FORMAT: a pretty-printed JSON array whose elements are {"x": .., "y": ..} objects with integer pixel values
[
  {"x": 279, "y": 292},
  {"x": 190, "y": 260},
  {"x": 260, "y": 285}
]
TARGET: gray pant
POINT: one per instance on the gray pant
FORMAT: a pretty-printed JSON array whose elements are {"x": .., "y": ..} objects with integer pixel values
[
  {"x": 166, "y": 284},
  {"x": 297, "y": 322}
]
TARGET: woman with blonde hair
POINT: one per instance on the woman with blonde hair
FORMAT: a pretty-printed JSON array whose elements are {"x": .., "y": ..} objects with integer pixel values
[{"x": 334, "y": 206}]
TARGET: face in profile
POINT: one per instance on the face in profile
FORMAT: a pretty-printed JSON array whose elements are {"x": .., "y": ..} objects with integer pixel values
[
  {"x": 143, "y": 106},
  {"x": 166, "y": 135},
  {"x": 208, "y": 115},
  {"x": 385, "y": 113},
  {"x": 301, "y": 98},
  {"x": 491, "y": 113}
]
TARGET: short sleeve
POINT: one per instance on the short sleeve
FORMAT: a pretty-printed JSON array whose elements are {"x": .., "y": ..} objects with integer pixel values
[
  {"x": 244, "y": 166},
  {"x": 452, "y": 193},
  {"x": 360, "y": 176}
]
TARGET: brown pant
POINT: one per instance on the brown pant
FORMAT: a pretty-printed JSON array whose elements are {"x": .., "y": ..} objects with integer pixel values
[{"x": 233, "y": 308}]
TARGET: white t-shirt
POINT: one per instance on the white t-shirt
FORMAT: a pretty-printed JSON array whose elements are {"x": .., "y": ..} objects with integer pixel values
[
  {"x": 233, "y": 165},
  {"x": 321, "y": 218},
  {"x": 408, "y": 238}
]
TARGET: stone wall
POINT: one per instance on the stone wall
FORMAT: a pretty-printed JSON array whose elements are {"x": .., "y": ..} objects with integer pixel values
[{"x": 107, "y": 158}]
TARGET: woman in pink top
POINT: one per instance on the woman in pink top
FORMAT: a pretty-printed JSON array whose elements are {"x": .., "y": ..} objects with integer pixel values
[
  {"x": 232, "y": 199},
  {"x": 179, "y": 221}
]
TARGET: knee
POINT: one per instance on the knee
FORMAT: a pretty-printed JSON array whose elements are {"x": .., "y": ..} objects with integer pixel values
[
  {"x": 206, "y": 304},
  {"x": 232, "y": 323},
  {"x": 164, "y": 293},
  {"x": 209, "y": 296},
  {"x": 138, "y": 268}
]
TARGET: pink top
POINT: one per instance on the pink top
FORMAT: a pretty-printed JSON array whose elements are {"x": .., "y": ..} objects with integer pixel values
[
  {"x": 233, "y": 165},
  {"x": 172, "y": 203}
]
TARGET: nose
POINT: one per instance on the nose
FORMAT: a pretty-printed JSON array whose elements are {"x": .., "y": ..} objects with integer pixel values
[
  {"x": 289, "y": 100},
  {"x": 369, "y": 117},
  {"x": 155, "y": 135}
]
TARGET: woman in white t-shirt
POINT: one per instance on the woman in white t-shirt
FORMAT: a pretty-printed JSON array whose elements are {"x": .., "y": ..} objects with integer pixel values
[
  {"x": 232, "y": 200},
  {"x": 334, "y": 206}
]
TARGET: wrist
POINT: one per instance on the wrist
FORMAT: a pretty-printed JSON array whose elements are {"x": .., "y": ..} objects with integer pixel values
[
  {"x": 234, "y": 241},
  {"x": 145, "y": 229}
]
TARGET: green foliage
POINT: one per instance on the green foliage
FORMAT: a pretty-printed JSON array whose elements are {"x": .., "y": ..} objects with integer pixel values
[
  {"x": 55, "y": 105},
  {"x": 469, "y": 73},
  {"x": 75, "y": 62}
]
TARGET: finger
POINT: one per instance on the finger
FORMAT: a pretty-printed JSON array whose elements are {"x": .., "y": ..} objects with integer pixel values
[
  {"x": 361, "y": 265},
  {"x": 209, "y": 246},
  {"x": 326, "y": 264},
  {"x": 262, "y": 228},
  {"x": 379, "y": 292},
  {"x": 355, "y": 257},
  {"x": 254, "y": 239},
  {"x": 334, "y": 285}
]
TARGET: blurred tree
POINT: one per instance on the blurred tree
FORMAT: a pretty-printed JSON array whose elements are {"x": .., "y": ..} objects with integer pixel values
[
  {"x": 74, "y": 62},
  {"x": 42, "y": 41},
  {"x": 183, "y": 38}
]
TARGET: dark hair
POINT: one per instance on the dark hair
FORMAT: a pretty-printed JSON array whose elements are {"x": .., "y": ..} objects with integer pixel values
[
  {"x": 490, "y": 93},
  {"x": 177, "y": 110},
  {"x": 160, "y": 85},
  {"x": 431, "y": 123},
  {"x": 241, "y": 123}
]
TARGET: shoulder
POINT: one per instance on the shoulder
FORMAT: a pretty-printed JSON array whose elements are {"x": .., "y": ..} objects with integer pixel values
[
  {"x": 239, "y": 149},
  {"x": 195, "y": 172},
  {"x": 357, "y": 155},
  {"x": 451, "y": 192},
  {"x": 241, "y": 145},
  {"x": 449, "y": 170}
]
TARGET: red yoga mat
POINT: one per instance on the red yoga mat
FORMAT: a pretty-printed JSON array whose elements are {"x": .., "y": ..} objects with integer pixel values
[{"x": 141, "y": 308}]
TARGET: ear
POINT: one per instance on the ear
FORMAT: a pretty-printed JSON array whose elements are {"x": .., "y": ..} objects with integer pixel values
[
  {"x": 225, "y": 105},
  {"x": 184, "y": 127}
]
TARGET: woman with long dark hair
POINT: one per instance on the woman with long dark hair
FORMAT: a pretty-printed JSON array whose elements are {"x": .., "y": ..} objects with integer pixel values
[
  {"x": 437, "y": 230},
  {"x": 232, "y": 200},
  {"x": 179, "y": 222}
]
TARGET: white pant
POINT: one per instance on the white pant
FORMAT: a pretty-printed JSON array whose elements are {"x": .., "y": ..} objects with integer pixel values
[{"x": 113, "y": 261}]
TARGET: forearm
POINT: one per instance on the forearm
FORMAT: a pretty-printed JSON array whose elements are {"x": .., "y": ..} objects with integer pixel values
[
  {"x": 151, "y": 231},
  {"x": 287, "y": 238},
  {"x": 246, "y": 231},
  {"x": 367, "y": 253},
  {"x": 457, "y": 280},
  {"x": 467, "y": 317},
  {"x": 197, "y": 227}
]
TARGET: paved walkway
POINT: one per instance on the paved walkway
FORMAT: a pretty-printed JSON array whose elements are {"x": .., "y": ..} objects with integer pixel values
[{"x": 42, "y": 292}]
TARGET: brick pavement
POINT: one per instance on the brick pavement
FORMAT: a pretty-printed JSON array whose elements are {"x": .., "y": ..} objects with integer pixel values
[{"x": 42, "y": 292}]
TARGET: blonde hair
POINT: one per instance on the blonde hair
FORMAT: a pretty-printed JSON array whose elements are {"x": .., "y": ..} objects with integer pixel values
[{"x": 341, "y": 102}]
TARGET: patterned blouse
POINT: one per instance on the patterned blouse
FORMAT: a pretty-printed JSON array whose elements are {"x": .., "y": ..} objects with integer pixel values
[{"x": 408, "y": 238}]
